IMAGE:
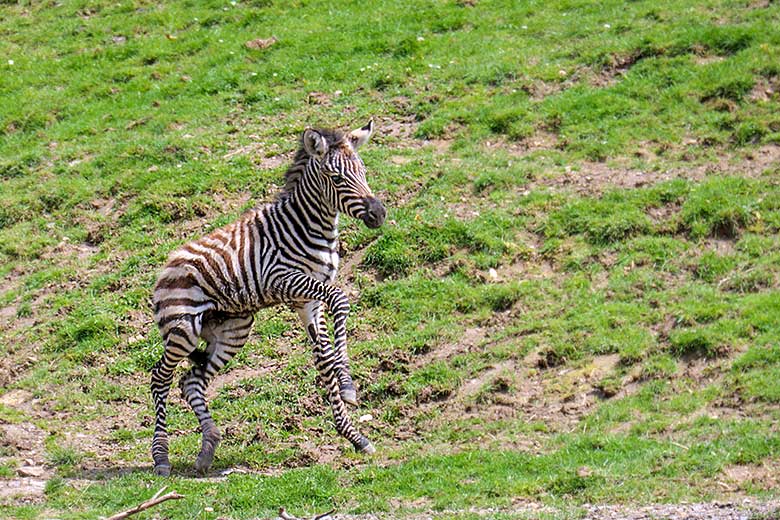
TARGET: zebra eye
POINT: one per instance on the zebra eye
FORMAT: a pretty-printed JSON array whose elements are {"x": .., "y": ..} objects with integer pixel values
[{"x": 337, "y": 179}]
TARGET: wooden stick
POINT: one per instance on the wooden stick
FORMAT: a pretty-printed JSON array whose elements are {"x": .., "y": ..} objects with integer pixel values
[
  {"x": 156, "y": 499},
  {"x": 284, "y": 515}
]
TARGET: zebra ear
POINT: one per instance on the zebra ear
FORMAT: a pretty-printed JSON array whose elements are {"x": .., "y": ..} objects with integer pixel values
[
  {"x": 359, "y": 137},
  {"x": 314, "y": 143}
]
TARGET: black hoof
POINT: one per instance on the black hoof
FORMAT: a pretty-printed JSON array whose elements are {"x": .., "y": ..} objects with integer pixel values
[
  {"x": 209, "y": 445},
  {"x": 203, "y": 462},
  {"x": 162, "y": 470},
  {"x": 364, "y": 446}
]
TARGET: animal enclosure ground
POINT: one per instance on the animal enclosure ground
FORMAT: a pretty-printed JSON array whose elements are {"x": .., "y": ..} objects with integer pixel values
[{"x": 574, "y": 300}]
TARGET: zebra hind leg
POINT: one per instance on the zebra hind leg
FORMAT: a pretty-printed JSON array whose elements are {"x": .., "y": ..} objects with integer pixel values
[
  {"x": 179, "y": 341},
  {"x": 225, "y": 338},
  {"x": 193, "y": 387}
]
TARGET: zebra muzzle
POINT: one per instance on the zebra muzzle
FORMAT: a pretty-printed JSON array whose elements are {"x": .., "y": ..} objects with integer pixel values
[{"x": 375, "y": 212}]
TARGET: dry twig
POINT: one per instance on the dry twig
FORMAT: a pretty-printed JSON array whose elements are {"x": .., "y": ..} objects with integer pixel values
[
  {"x": 284, "y": 515},
  {"x": 156, "y": 499}
]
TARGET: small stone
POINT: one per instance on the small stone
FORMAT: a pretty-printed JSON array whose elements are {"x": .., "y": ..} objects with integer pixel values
[
  {"x": 493, "y": 274},
  {"x": 30, "y": 471},
  {"x": 260, "y": 43},
  {"x": 584, "y": 472},
  {"x": 15, "y": 398},
  {"x": 366, "y": 418}
]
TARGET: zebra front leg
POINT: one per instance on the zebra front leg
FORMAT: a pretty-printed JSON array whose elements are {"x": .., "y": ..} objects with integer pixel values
[
  {"x": 313, "y": 319},
  {"x": 346, "y": 385},
  {"x": 324, "y": 360},
  {"x": 305, "y": 293}
]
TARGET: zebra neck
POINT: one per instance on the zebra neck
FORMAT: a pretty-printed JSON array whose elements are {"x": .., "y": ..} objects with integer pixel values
[{"x": 312, "y": 210}]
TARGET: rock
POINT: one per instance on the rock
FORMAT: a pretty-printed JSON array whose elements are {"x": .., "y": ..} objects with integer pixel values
[
  {"x": 31, "y": 471},
  {"x": 260, "y": 43},
  {"x": 18, "y": 436},
  {"x": 15, "y": 398}
]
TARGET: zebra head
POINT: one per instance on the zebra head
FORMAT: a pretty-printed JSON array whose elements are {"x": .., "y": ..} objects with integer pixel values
[{"x": 333, "y": 156}]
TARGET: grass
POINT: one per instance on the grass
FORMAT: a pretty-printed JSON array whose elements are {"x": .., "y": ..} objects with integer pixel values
[{"x": 521, "y": 271}]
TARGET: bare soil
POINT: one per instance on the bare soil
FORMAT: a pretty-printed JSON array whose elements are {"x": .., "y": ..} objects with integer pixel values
[
  {"x": 723, "y": 509},
  {"x": 593, "y": 178}
]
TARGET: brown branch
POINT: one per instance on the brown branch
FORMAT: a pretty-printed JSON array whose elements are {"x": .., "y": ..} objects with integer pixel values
[
  {"x": 156, "y": 499},
  {"x": 284, "y": 515}
]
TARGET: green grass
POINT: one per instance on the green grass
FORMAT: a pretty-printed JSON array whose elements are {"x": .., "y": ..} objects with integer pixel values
[{"x": 511, "y": 279}]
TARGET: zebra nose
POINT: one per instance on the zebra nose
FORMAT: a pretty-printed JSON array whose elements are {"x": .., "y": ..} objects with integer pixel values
[{"x": 375, "y": 213}]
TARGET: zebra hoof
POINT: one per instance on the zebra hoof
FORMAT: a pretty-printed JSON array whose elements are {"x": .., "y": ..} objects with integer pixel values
[
  {"x": 203, "y": 462},
  {"x": 349, "y": 396},
  {"x": 162, "y": 470},
  {"x": 364, "y": 446}
]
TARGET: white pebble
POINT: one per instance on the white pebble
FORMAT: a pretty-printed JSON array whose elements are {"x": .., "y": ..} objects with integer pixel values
[{"x": 366, "y": 418}]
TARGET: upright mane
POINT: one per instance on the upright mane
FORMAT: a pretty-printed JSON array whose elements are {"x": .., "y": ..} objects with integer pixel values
[{"x": 293, "y": 174}]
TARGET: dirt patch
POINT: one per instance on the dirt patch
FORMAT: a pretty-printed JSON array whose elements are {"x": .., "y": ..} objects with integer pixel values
[
  {"x": 231, "y": 378},
  {"x": 765, "y": 89},
  {"x": 22, "y": 490},
  {"x": 25, "y": 441},
  {"x": 471, "y": 339},
  {"x": 722, "y": 247},
  {"x": 517, "y": 389},
  {"x": 740, "y": 509},
  {"x": 764, "y": 476},
  {"x": 396, "y": 131},
  {"x": 472, "y": 386},
  {"x": 617, "y": 67},
  {"x": 261, "y": 155},
  {"x": 736, "y": 508},
  {"x": 593, "y": 178},
  {"x": 536, "y": 268},
  {"x": 541, "y": 140}
]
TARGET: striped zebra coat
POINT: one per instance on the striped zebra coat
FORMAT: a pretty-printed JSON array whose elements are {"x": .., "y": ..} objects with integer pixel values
[{"x": 285, "y": 252}]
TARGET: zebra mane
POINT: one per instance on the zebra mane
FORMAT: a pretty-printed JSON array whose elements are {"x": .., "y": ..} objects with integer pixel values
[{"x": 293, "y": 174}]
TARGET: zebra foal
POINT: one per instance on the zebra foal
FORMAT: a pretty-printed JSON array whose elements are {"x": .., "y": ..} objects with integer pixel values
[{"x": 285, "y": 252}]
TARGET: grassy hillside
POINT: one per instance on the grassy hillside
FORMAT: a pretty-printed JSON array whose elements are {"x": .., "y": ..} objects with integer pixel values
[{"x": 574, "y": 300}]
